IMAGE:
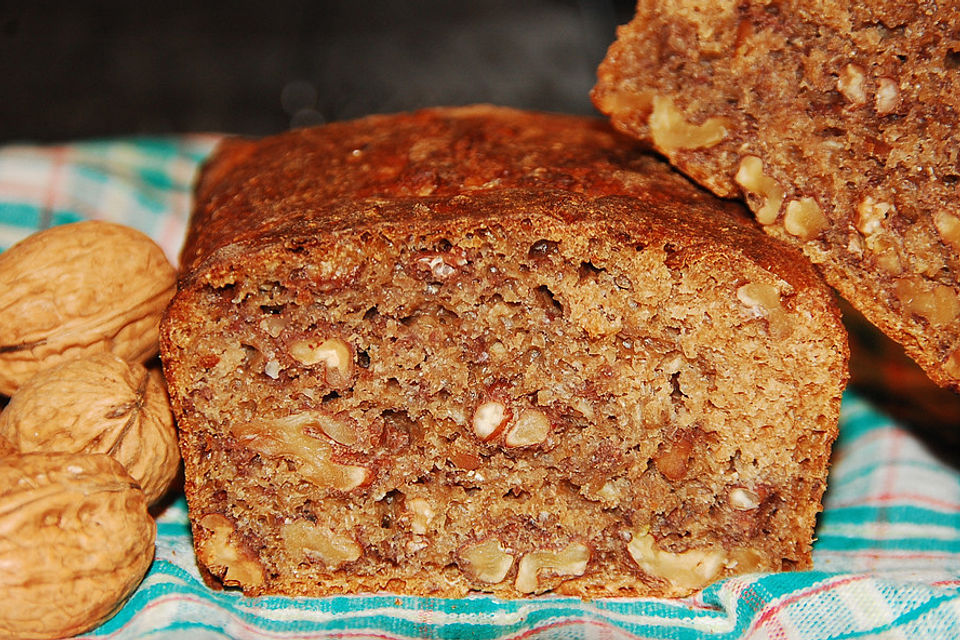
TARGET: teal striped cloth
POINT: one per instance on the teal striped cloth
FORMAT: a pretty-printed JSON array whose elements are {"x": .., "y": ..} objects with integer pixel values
[{"x": 886, "y": 559}]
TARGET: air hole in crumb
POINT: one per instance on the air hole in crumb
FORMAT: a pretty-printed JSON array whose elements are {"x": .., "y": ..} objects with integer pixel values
[
  {"x": 832, "y": 132},
  {"x": 444, "y": 245},
  {"x": 330, "y": 397},
  {"x": 363, "y": 359},
  {"x": 446, "y": 316},
  {"x": 952, "y": 59},
  {"x": 370, "y": 314},
  {"x": 546, "y": 298},
  {"x": 588, "y": 271},
  {"x": 676, "y": 393},
  {"x": 951, "y": 179},
  {"x": 669, "y": 248},
  {"x": 542, "y": 249},
  {"x": 516, "y": 493},
  {"x": 569, "y": 487},
  {"x": 251, "y": 355},
  {"x": 398, "y": 420},
  {"x": 392, "y": 385},
  {"x": 275, "y": 309}
]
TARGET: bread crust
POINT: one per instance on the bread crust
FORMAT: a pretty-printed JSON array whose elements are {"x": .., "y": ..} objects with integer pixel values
[{"x": 432, "y": 152}]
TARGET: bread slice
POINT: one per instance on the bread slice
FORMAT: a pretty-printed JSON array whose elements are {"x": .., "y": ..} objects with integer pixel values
[
  {"x": 550, "y": 373},
  {"x": 836, "y": 121}
]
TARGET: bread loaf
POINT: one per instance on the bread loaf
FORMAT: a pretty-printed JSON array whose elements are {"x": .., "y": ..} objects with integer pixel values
[
  {"x": 836, "y": 121},
  {"x": 485, "y": 350}
]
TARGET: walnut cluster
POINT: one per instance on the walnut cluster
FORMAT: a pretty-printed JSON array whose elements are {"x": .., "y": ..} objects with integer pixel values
[
  {"x": 87, "y": 439},
  {"x": 80, "y": 289}
]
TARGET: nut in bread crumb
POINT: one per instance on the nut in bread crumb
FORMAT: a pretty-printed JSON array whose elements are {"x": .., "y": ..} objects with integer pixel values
[
  {"x": 489, "y": 419},
  {"x": 305, "y": 539},
  {"x": 885, "y": 251},
  {"x": 487, "y": 561},
  {"x": 743, "y": 499},
  {"x": 333, "y": 352},
  {"x": 852, "y": 84},
  {"x": 888, "y": 96},
  {"x": 672, "y": 132},
  {"x": 571, "y": 561},
  {"x": 764, "y": 300},
  {"x": 935, "y": 302},
  {"x": 531, "y": 427},
  {"x": 872, "y": 214},
  {"x": 673, "y": 457},
  {"x": 273, "y": 325},
  {"x": 763, "y": 297},
  {"x": 686, "y": 571},
  {"x": 287, "y": 438},
  {"x": 609, "y": 493},
  {"x": 221, "y": 552},
  {"x": 421, "y": 515},
  {"x": 804, "y": 219},
  {"x": 750, "y": 176},
  {"x": 948, "y": 226},
  {"x": 622, "y": 102},
  {"x": 952, "y": 363},
  {"x": 341, "y": 430}
]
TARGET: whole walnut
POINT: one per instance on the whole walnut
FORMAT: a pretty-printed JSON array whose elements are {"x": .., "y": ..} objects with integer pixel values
[
  {"x": 75, "y": 541},
  {"x": 80, "y": 288},
  {"x": 98, "y": 404}
]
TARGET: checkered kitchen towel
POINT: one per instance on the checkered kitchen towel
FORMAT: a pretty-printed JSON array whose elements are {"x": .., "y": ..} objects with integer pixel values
[{"x": 887, "y": 556}]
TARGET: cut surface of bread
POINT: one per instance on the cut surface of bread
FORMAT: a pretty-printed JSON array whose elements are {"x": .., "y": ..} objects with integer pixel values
[
  {"x": 838, "y": 124},
  {"x": 509, "y": 389}
]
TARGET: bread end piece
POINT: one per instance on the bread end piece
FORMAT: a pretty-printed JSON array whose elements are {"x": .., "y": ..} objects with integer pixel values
[{"x": 836, "y": 122}]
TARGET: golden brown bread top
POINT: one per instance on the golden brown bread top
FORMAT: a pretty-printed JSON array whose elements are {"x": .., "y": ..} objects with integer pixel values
[
  {"x": 438, "y": 151},
  {"x": 427, "y": 169},
  {"x": 691, "y": 231}
]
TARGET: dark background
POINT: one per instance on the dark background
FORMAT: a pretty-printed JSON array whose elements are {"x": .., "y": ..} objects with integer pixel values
[{"x": 96, "y": 69}]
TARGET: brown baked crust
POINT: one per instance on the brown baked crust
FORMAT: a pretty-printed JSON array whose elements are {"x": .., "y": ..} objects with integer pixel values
[
  {"x": 849, "y": 108},
  {"x": 680, "y": 372},
  {"x": 432, "y": 152}
]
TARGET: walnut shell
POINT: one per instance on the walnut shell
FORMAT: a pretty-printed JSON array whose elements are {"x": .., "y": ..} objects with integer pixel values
[
  {"x": 75, "y": 541},
  {"x": 80, "y": 288},
  {"x": 98, "y": 404}
]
